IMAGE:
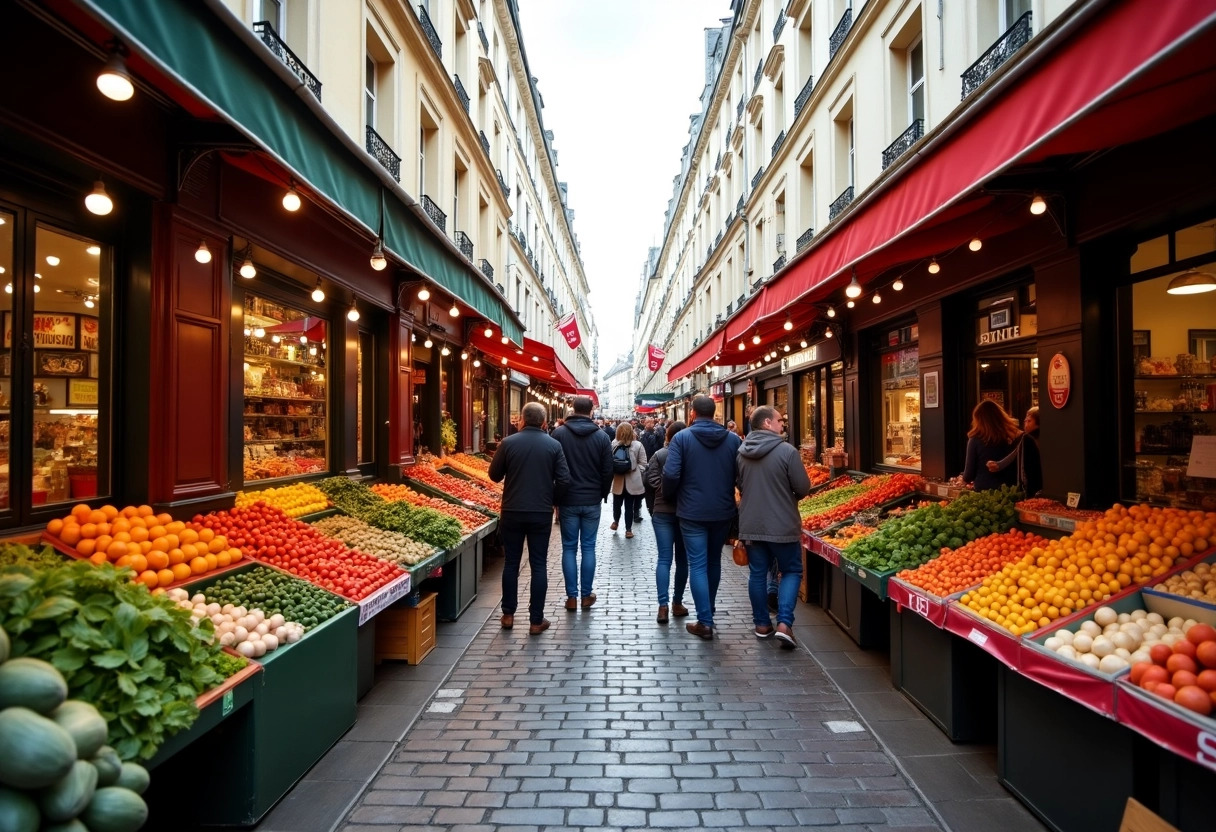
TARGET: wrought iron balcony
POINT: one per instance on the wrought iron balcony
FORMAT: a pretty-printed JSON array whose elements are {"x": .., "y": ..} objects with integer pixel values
[
  {"x": 432, "y": 210},
  {"x": 756, "y": 77},
  {"x": 502, "y": 183},
  {"x": 500, "y": 288},
  {"x": 718, "y": 161},
  {"x": 779, "y": 25},
  {"x": 906, "y": 139},
  {"x": 486, "y": 268},
  {"x": 275, "y": 44},
  {"x": 464, "y": 244},
  {"x": 1015, "y": 37},
  {"x": 428, "y": 29},
  {"x": 756, "y": 178},
  {"x": 840, "y": 203},
  {"x": 383, "y": 154},
  {"x": 739, "y": 302},
  {"x": 778, "y": 264},
  {"x": 804, "y": 96},
  {"x": 718, "y": 239},
  {"x": 461, "y": 92},
  {"x": 717, "y": 320},
  {"x": 730, "y": 133},
  {"x": 840, "y": 32},
  {"x": 730, "y": 308},
  {"x": 739, "y": 207},
  {"x": 485, "y": 143},
  {"x": 804, "y": 239},
  {"x": 730, "y": 218},
  {"x": 780, "y": 141},
  {"x": 739, "y": 110},
  {"x": 485, "y": 42}
]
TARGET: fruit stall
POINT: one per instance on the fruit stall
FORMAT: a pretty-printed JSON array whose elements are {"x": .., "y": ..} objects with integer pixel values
[{"x": 196, "y": 636}]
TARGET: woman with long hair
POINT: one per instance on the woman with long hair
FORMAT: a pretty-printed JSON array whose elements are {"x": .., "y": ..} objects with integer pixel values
[
  {"x": 628, "y": 489},
  {"x": 993, "y": 436},
  {"x": 667, "y": 536}
]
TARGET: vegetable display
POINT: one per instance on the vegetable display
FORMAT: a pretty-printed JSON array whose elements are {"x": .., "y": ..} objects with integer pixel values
[
  {"x": 841, "y": 490},
  {"x": 274, "y": 594},
  {"x": 248, "y": 631},
  {"x": 391, "y": 546},
  {"x": 422, "y": 524},
  {"x": 1046, "y": 506},
  {"x": 875, "y": 491},
  {"x": 1181, "y": 666},
  {"x": 470, "y": 520},
  {"x": 54, "y": 766},
  {"x": 1111, "y": 641},
  {"x": 477, "y": 493},
  {"x": 16, "y": 554},
  {"x": 294, "y": 500},
  {"x": 818, "y": 474},
  {"x": 968, "y": 565},
  {"x": 1197, "y": 583},
  {"x": 133, "y": 655},
  {"x": 845, "y": 535},
  {"x": 479, "y": 469}
]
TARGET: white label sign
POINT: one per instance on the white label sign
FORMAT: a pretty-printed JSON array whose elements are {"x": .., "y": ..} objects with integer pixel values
[{"x": 1203, "y": 457}]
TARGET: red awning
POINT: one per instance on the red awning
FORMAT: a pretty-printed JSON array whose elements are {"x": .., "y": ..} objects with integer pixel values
[
  {"x": 1135, "y": 69},
  {"x": 644, "y": 409},
  {"x": 699, "y": 357},
  {"x": 311, "y": 328},
  {"x": 536, "y": 360},
  {"x": 586, "y": 391}
]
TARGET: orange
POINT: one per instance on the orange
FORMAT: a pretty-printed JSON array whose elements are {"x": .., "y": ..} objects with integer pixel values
[
  {"x": 133, "y": 549},
  {"x": 125, "y": 560},
  {"x": 156, "y": 531},
  {"x": 180, "y": 571},
  {"x": 102, "y": 543},
  {"x": 189, "y": 550},
  {"x": 86, "y": 547},
  {"x": 139, "y": 534},
  {"x": 81, "y": 512},
  {"x": 188, "y": 536},
  {"x": 70, "y": 535},
  {"x": 164, "y": 518},
  {"x": 97, "y": 516},
  {"x": 161, "y": 544},
  {"x": 148, "y": 578},
  {"x": 164, "y": 577},
  {"x": 157, "y": 560},
  {"x": 198, "y": 566},
  {"x": 174, "y": 542},
  {"x": 145, "y": 546},
  {"x": 129, "y": 511},
  {"x": 146, "y": 511},
  {"x": 121, "y": 524},
  {"x": 176, "y": 556},
  {"x": 109, "y": 511},
  {"x": 138, "y": 523},
  {"x": 98, "y": 558},
  {"x": 217, "y": 544},
  {"x": 235, "y": 554},
  {"x": 103, "y": 528},
  {"x": 212, "y": 561},
  {"x": 55, "y": 526},
  {"x": 206, "y": 535},
  {"x": 123, "y": 537},
  {"x": 223, "y": 559},
  {"x": 175, "y": 527},
  {"x": 116, "y": 550},
  {"x": 139, "y": 563}
]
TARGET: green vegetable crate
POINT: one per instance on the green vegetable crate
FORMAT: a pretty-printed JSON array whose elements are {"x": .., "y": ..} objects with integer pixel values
[{"x": 871, "y": 579}]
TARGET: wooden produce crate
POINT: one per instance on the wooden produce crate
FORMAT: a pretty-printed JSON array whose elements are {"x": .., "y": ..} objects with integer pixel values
[{"x": 407, "y": 633}]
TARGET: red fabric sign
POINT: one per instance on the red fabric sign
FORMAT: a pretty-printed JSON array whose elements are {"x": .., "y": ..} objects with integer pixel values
[
  {"x": 569, "y": 327},
  {"x": 654, "y": 357}
]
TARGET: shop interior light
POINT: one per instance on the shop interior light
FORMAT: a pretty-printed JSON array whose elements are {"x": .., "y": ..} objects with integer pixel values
[
  {"x": 464, "y": 355},
  {"x": 52, "y": 260},
  {"x": 352, "y": 314},
  {"x": 504, "y": 376},
  {"x": 976, "y": 244},
  {"x": 1192, "y": 282},
  {"x": 114, "y": 81},
  {"x": 786, "y": 347},
  {"x": 291, "y": 199},
  {"x": 248, "y": 270},
  {"x": 37, "y": 288},
  {"x": 877, "y": 298},
  {"x": 424, "y": 293},
  {"x": 275, "y": 339},
  {"x": 303, "y": 339},
  {"x": 831, "y": 311},
  {"x": 93, "y": 250},
  {"x": 853, "y": 290},
  {"x": 934, "y": 268},
  {"x": 99, "y": 202},
  {"x": 312, "y": 350},
  {"x": 8, "y": 288},
  {"x": 788, "y": 325},
  {"x": 827, "y": 333},
  {"x": 1038, "y": 205},
  {"x": 850, "y": 304},
  {"x": 379, "y": 261},
  {"x": 455, "y": 310},
  {"x": 428, "y": 343},
  {"x": 248, "y": 332},
  {"x": 89, "y": 302},
  {"x": 742, "y": 346},
  {"x": 259, "y": 332},
  {"x": 202, "y": 254},
  {"x": 898, "y": 285},
  {"x": 445, "y": 351},
  {"x": 318, "y": 294}
]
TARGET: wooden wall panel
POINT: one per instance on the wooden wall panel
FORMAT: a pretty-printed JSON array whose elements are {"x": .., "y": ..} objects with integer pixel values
[{"x": 198, "y": 402}]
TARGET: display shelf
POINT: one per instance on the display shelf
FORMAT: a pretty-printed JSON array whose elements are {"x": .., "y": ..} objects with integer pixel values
[
  {"x": 270, "y": 360},
  {"x": 260, "y": 320},
  {"x": 431, "y": 491},
  {"x": 214, "y": 706},
  {"x": 1165, "y": 412},
  {"x": 282, "y": 416},
  {"x": 921, "y": 602},
  {"x": 283, "y": 440},
  {"x": 1186, "y": 733},
  {"x": 1172, "y": 376},
  {"x": 250, "y": 395},
  {"x": 873, "y": 580}
]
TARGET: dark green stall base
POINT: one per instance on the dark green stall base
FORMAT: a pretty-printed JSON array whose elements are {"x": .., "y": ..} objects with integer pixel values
[
  {"x": 422, "y": 570},
  {"x": 1179, "y": 790},
  {"x": 366, "y": 649},
  {"x": 228, "y": 706},
  {"x": 458, "y": 586},
  {"x": 857, "y": 610}
]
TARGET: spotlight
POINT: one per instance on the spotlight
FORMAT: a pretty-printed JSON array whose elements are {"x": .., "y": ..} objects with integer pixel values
[
  {"x": 318, "y": 294},
  {"x": 99, "y": 202},
  {"x": 114, "y": 81},
  {"x": 291, "y": 199},
  {"x": 1038, "y": 205},
  {"x": 424, "y": 293},
  {"x": 379, "y": 261},
  {"x": 788, "y": 325},
  {"x": 203, "y": 254},
  {"x": 248, "y": 270},
  {"x": 976, "y": 244},
  {"x": 933, "y": 267},
  {"x": 353, "y": 313},
  {"x": 428, "y": 343},
  {"x": 898, "y": 285},
  {"x": 831, "y": 311},
  {"x": 455, "y": 310}
]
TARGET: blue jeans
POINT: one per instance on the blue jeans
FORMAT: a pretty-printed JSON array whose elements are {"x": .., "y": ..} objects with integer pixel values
[
  {"x": 773, "y": 576},
  {"x": 788, "y": 559},
  {"x": 579, "y": 524},
  {"x": 670, "y": 542},
  {"x": 514, "y": 529},
  {"x": 704, "y": 541}
]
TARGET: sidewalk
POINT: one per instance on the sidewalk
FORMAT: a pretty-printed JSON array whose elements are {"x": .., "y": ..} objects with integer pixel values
[{"x": 611, "y": 721}]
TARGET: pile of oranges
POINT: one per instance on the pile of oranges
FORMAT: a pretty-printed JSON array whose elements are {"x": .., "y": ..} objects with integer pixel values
[
  {"x": 1128, "y": 545},
  {"x": 159, "y": 549},
  {"x": 967, "y": 565}
]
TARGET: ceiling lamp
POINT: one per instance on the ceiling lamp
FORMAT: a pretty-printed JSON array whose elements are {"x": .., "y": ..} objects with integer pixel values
[
  {"x": 202, "y": 254},
  {"x": 259, "y": 332},
  {"x": 976, "y": 244},
  {"x": 827, "y": 333},
  {"x": 877, "y": 298},
  {"x": 476, "y": 362},
  {"x": 291, "y": 199},
  {"x": 428, "y": 343},
  {"x": 445, "y": 351},
  {"x": 898, "y": 285},
  {"x": 93, "y": 250},
  {"x": 379, "y": 261},
  {"x": 352, "y": 314},
  {"x": 1038, "y": 205},
  {"x": 464, "y": 355},
  {"x": 742, "y": 346},
  {"x": 248, "y": 270},
  {"x": 934, "y": 268},
  {"x": 318, "y": 294},
  {"x": 8, "y": 288},
  {"x": 455, "y": 310},
  {"x": 504, "y": 376},
  {"x": 275, "y": 339},
  {"x": 788, "y": 325},
  {"x": 89, "y": 302},
  {"x": 52, "y": 260},
  {"x": 850, "y": 304},
  {"x": 756, "y": 338},
  {"x": 802, "y": 344},
  {"x": 853, "y": 290},
  {"x": 424, "y": 293},
  {"x": 114, "y": 81},
  {"x": 1192, "y": 282},
  {"x": 831, "y": 311},
  {"x": 786, "y": 348},
  {"x": 99, "y": 202}
]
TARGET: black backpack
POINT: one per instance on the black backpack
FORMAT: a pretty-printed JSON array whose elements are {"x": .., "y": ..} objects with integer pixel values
[{"x": 621, "y": 463}]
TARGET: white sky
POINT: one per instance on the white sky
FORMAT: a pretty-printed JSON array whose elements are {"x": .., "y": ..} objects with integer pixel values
[{"x": 620, "y": 79}]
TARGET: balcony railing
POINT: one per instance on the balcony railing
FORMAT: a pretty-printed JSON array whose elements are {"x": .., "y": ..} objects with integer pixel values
[
  {"x": 906, "y": 139},
  {"x": 739, "y": 110},
  {"x": 739, "y": 302},
  {"x": 502, "y": 183},
  {"x": 756, "y": 178},
  {"x": 485, "y": 42},
  {"x": 730, "y": 308},
  {"x": 275, "y": 44},
  {"x": 840, "y": 32},
  {"x": 718, "y": 239},
  {"x": 428, "y": 29},
  {"x": 840, "y": 203},
  {"x": 718, "y": 161},
  {"x": 486, "y": 268},
  {"x": 485, "y": 143},
  {"x": 779, "y": 25},
  {"x": 804, "y": 239},
  {"x": 804, "y": 96},
  {"x": 461, "y": 92},
  {"x": 739, "y": 207},
  {"x": 730, "y": 132},
  {"x": 756, "y": 77},
  {"x": 1017, "y": 36},
  {"x": 383, "y": 154},
  {"x": 778, "y": 264},
  {"x": 777, "y": 144},
  {"x": 433, "y": 211},
  {"x": 464, "y": 244},
  {"x": 499, "y": 287}
]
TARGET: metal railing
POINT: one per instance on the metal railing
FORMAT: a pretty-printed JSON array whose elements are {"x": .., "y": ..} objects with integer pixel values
[
  {"x": 739, "y": 207},
  {"x": 804, "y": 239},
  {"x": 718, "y": 161},
  {"x": 757, "y": 176},
  {"x": 464, "y": 244},
  {"x": 428, "y": 29},
  {"x": 840, "y": 32},
  {"x": 840, "y": 203},
  {"x": 756, "y": 77},
  {"x": 739, "y": 110},
  {"x": 739, "y": 302},
  {"x": 1014, "y": 38},
  {"x": 502, "y": 183},
  {"x": 461, "y": 92},
  {"x": 906, "y": 139},
  {"x": 434, "y": 212},
  {"x": 486, "y": 268},
  {"x": 730, "y": 133},
  {"x": 502, "y": 291},
  {"x": 779, "y": 25},
  {"x": 378, "y": 148},
  {"x": 485, "y": 143},
  {"x": 804, "y": 96},
  {"x": 283, "y": 52},
  {"x": 778, "y": 264},
  {"x": 718, "y": 239},
  {"x": 730, "y": 308},
  {"x": 485, "y": 42},
  {"x": 777, "y": 144}
]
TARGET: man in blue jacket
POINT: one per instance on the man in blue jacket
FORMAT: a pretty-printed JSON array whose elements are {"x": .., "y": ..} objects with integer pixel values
[
  {"x": 589, "y": 457},
  {"x": 700, "y": 471}
]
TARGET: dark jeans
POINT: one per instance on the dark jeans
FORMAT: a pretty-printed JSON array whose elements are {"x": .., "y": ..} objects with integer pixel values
[
  {"x": 632, "y": 503},
  {"x": 650, "y": 501},
  {"x": 703, "y": 541},
  {"x": 536, "y": 527},
  {"x": 670, "y": 543},
  {"x": 787, "y": 557}
]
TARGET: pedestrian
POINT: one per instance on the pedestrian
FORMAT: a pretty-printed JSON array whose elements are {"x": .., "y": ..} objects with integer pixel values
[
  {"x": 667, "y": 536},
  {"x": 609, "y": 430},
  {"x": 534, "y": 467},
  {"x": 653, "y": 439},
  {"x": 771, "y": 480},
  {"x": 700, "y": 473},
  {"x": 1025, "y": 456},
  {"x": 628, "y": 462},
  {"x": 589, "y": 457},
  {"x": 993, "y": 436}
]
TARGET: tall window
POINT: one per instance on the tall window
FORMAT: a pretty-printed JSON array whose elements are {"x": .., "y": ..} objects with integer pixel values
[
  {"x": 369, "y": 91},
  {"x": 852, "y": 148},
  {"x": 1011, "y": 10},
  {"x": 274, "y": 13},
  {"x": 916, "y": 81}
]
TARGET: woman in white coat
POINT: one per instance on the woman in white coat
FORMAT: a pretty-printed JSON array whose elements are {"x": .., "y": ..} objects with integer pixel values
[{"x": 628, "y": 489}]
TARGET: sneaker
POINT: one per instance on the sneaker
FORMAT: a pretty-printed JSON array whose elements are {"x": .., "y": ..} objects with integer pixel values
[
  {"x": 662, "y": 616},
  {"x": 537, "y": 629},
  {"x": 679, "y": 610},
  {"x": 765, "y": 631},
  {"x": 613, "y": 526},
  {"x": 571, "y": 603},
  {"x": 785, "y": 635}
]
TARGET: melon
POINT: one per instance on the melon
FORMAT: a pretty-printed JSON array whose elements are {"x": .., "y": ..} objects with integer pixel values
[
  {"x": 67, "y": 797},
  {"x": 108, "y": 765},
  {"x": 31, "y": 683},
  {"x": 18, "y": 813},
  {"x": 134, "y": 777},
  {"x": 34, "y": 751},
  {"x": 115, "y": 809},
  {"x": 5, "y": 647},
  {"x": 86, "y": 726}
]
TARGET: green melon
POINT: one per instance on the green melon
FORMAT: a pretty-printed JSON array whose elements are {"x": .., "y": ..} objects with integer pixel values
[
  {"x": 5, "y": 647},
  {"x": 31, "y": 683},
  {"x": 68, "y": 796},
  {"x": 86, "y": 726},
  {"x": 108, "y": 765},
  {"x": 134, "y": 777},
  {"x": 73, "y": 825},
  {"x": 34, "y": 751},
  {"x": 18, "y": 813},
  {"x": 115, "y": 809}
]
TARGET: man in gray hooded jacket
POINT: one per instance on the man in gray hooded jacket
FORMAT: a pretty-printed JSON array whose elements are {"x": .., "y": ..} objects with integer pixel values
[{"x": 771, "y": 481}]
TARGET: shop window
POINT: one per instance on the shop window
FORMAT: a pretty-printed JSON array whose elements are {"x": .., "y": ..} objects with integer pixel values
[
  {"x": 286, "y": 413},
  {"x": 899, "y": 397}
]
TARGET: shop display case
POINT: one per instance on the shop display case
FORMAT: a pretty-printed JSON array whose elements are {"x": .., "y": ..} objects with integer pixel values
[
  {"x": 900, "y": 402},
  {"x": 1172, "y": 407}
]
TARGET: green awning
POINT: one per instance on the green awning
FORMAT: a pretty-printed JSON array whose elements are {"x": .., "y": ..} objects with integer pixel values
[
  {"x": 191, "y": 42},
  {"x": 652, "y": 399}
]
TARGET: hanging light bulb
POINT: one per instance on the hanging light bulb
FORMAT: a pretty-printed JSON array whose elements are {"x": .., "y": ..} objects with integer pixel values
[
  {"x": 318, "y": 294},
  {"x": 489, "y": 333},
  {"x": 424, "y": 293},
  {"x": 850, "y": 304},
  {"x": 505, "y": 340},
  {"x": 352, "y": 314},
  {"x": 828, "y": 333},
  {"x": 455, "y": 310},
  {"x": 504, "y": 376},
  {"x": 248, "y": 332},
  {"x": 756, "y": 338},
  {"x": 8, "y": 288},
  {"x": 504, "y": 361},
  {"x": 445, "y": 351},
  {"x": 89, "y": 303},
  {"x": 114, "y": 81},
  {"x": 379, "y": 261},
  {"x": 248, "y": 270},
  {"x": 788, "y": 325},
  {"x": 877, "y": 298},
  {"x": 853, "y": 290},
  {"x": 802, "y": 343},
  {"x": 428, "y": 343},
  {"x": 742, "y": 346},
  {"x": 202, "y": 254},
  {"x": 464, "y": 355},
  {"x": 976, "y": 244},
  {"x": 476, "y": 362},
  {"x": 99, "y": 202},
  {"x": 312, "y": 350},
  {"x": 291, "y": 199},
  {"x": 1038, "y": 205},
  {"x": 259, "y": 332},
  {"x": 934, "y": 268},
  {"x": 831, "y": 311},
  {"x": 275, "y": 339},
  {"x": 786, "y": 347},
  {"x": 303, "y": 339},
  {"x": 898, "y": 285}
]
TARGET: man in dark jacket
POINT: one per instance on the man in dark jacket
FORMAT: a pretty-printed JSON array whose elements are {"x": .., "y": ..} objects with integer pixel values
[
  {"x": 700, "y": 472},
  {"x": 536, "y": 474},
  {"x": 589, "y": 457},
  {"x": 771, "y": 481},
  {"x": 652, "y": 440},
  {"x": 609, "y": 429}
]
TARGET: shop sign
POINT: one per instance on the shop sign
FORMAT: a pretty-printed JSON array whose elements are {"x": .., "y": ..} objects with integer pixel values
[
  {"x": 89, "y": 334},
  {"x": 1059, "y": 381},
  {"x": 519, "y": 378},
  {"x": 82, "y": 392},
  {"x": 419, "y": 377},
  {"x": 815, "y": 354},
  {"x": 716, "y": 389},
  {"x": 997, "y": 336},
  {"x": 52, "y": 330}
]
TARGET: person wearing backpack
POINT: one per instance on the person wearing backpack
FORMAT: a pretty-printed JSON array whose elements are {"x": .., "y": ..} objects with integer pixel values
[{"x": 628, "y": 460}]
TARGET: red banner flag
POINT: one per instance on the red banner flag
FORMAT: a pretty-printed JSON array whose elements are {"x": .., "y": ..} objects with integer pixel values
[
  {"x": 654, "y": 357},
  {"x": 569, "y": 327}
]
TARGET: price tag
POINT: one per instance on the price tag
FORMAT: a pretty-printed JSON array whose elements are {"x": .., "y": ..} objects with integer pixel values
[
  {"x": 919, "y": 604},
  {"x": 1074, "y": 499},
  {"x": 228, "y": 704},
  {"x": 976, "y": 636}
]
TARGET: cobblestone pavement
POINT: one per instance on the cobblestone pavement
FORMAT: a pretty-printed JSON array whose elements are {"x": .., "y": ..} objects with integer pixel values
[{"x": 612, "y": 721}]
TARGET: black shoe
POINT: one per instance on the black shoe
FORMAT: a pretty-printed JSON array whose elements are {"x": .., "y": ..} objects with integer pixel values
[
  {"x": 637, "y": 518},
  {"x": 772, "y": 601}
]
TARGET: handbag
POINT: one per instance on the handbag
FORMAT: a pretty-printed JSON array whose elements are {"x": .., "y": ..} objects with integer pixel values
[{"x": 739, "y": 553}]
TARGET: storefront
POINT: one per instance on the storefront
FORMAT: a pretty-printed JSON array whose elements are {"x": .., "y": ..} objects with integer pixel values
[
  {"x": 1004, "y": 367},
  {"x": 895, "y": 375},
  {"x": 816, "y": 420}
]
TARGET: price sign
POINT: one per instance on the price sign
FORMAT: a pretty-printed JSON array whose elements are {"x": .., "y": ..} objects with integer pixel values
[
  {"x": 228, "y": 704},
  {"x": 912, "y": 598},
  {"x": 1059, "y": 381},
  {"x": 976, "y": 636},
  {"x": 1074, "y": 499},
  {"x": 376, "y": 603}
]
